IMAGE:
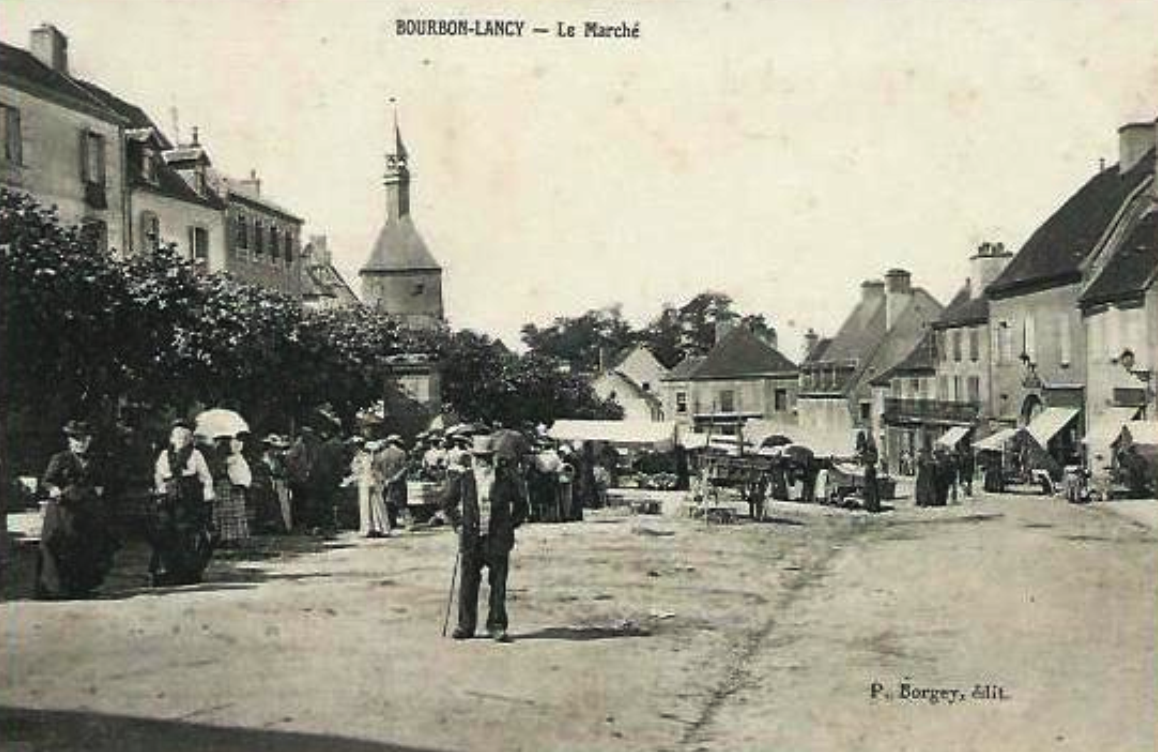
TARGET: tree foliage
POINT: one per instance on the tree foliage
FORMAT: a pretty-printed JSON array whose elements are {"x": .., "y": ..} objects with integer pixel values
[
  {"x": 82, "y": 334},
  {"x": 674, "y": 334}
]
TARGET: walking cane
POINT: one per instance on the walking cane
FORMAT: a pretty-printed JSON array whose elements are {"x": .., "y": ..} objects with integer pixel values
[{"x": 450, "y": 595}]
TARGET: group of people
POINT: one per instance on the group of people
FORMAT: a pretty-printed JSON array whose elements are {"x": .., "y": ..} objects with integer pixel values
[{"x": 943, "y": 474}]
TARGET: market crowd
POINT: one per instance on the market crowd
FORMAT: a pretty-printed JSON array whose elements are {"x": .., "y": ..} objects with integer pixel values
[{"x": 217, "y": 491}]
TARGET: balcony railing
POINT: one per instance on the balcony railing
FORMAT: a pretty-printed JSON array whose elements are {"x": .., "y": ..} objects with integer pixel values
[{"x": 930, "y": 409}]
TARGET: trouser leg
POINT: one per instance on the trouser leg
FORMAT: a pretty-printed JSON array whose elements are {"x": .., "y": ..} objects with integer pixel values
[
  {"x": 469, "y": 576},
  {"x": 497, "y": 566}
]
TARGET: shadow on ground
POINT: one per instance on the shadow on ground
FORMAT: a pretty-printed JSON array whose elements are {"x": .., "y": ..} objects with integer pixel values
[
  {"x": 27, "y": 730},
  {"x": 230, "y": 569},
  {"x": 584, "y": 634}
]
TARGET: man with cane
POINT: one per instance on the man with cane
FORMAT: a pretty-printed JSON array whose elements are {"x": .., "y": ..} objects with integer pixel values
[{"x": 485, "y": 503}]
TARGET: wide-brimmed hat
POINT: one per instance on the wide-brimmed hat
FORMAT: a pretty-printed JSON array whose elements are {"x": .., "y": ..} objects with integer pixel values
[
  {"x": 276, "y": 441},
  {"x": 77, "y": 428},
  {"x": 394, "y": 439},
  {"x": 182, "y": 423},
  {"x": 374, "y": 446}
]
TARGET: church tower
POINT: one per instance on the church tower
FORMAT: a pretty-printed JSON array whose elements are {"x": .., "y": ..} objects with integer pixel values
[{"x": 401, "y": 276}]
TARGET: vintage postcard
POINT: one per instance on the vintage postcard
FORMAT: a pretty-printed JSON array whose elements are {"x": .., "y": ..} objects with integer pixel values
[{"x": 737, "y": 375}]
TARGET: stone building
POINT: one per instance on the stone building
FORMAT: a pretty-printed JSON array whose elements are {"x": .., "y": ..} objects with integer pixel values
[
  {"x": 632, "y": 378},
  {"x": 1066, "y": 284},
  {"x": 165, "y": 206},
  {"x": 62, "y": 144},
  {"x": 892, "y": 316},
  {"x": 401, "y": 276},
  {"x": 742, "y": 378},
  {"x": 264, "y": 237},
  {"x": 1119, "y": 306},
  {"x": 323, "y": 286}
]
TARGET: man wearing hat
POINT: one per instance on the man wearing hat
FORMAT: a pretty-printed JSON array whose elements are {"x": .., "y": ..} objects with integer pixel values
[
  {"x": 391, "y": 464},
  {"x": 76, "y": 543},
  {"x": 485, "y": 504}
]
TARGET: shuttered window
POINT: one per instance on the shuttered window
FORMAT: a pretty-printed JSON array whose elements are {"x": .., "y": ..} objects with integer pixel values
[{"x": 12, "y": 138}]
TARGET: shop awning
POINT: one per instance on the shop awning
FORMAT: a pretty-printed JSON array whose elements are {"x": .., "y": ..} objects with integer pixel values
[
  {"x": 1105, "y": 426},
  {"x": 614, "y": 431},
  {"x": 1142, "y": 432},
  {"x": 996, "y": 442},
  {"x": 953, "y": 436},
  {"x": 1049, "y": 423}
]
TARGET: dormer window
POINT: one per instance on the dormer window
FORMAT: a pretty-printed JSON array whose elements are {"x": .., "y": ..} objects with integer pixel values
[{"x": 149, "y": 166}]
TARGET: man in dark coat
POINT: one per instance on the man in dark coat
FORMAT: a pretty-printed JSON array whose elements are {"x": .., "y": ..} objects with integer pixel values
[
  {"x": 868, "y": 456},
  {"x": 392, "y": 465},
  {"x": 966, "y": 466},
  {"x": 485, "y": 504},
  {"x": 76, "y": 542},
  {"x": 299, "y": 463}
]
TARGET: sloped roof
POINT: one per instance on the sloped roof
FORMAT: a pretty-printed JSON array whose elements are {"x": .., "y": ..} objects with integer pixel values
[
  {"x": 818, "y": 350},
  {"x": 684, "y": 369},
  {"x": 910, "y": 328},
  {"x": 1131, "y": 270},
  {"x": 635, "y": 388},
  {"x": 239, "y": 192},
  {"x": 325, "y": 281},
  {"x": 133, "y": 115},
  {"x": 19, "y": 64},
  {"x": 399, "y": 248},
  {"x": 1054, "y": 253},
  {"x": 863, "y": 328},
  {"x": 921, "y": 360},
  {"x": 963, "y": 310},
  {"x": 169, "y": 182},
  {"x": 739, "y": 354}
]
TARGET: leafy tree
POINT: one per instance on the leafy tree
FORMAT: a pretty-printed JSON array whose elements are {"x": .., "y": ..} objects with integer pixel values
[{"x": 578, "y": 340}]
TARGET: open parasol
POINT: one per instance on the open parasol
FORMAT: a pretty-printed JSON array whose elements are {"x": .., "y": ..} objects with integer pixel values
[{"x": 220, "y": 422}]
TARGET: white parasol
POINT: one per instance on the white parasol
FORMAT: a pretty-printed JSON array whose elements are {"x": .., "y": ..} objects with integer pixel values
[{"x": 220, "y": 422}]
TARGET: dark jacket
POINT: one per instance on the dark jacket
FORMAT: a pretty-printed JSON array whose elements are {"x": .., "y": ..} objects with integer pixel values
[{"x": 508, "y": 508}]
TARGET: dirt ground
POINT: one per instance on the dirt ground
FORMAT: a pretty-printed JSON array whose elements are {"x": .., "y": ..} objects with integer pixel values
[{"x": 819, "y": 629}]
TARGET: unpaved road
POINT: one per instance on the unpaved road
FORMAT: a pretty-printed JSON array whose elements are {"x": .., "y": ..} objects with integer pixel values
[{"x": 630, "y": 634}]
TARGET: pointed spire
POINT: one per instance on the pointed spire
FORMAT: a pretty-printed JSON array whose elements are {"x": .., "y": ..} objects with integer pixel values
[
  {"x": 397, "y": 178},
  {"x": 399, "y": 147}
]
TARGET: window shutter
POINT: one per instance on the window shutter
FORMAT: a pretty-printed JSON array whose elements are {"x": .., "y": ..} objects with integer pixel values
[
  {"x": 15, "y": 136},
  {"x": 192, "y": 243},
  {"x": 84, "y": 176}
]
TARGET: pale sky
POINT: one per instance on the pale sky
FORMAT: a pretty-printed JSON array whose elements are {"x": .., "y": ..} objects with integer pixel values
[{"x": 781, "y": 152}]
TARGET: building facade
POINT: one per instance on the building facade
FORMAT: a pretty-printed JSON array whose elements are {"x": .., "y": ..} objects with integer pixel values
[
  {"x": 632, "y": 379},
  {"x": 323, "y": 286},
  {"x": 743, "y": 377},
  {"x": 61, "y": 144},
  {"x": 263, "y": 237},
  {"x": 836, "y": 391},
  {"x": 1039, "y": 324}
]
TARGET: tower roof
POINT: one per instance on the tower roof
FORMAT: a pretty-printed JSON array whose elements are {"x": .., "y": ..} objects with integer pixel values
[{"x": 399, "y": 248}]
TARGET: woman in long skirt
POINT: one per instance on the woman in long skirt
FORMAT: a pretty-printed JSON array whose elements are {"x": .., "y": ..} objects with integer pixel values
[
  {"x": 76, "y": 543},
  {"x": 231, "y": 480},
  {"x": 373, "y": 522},
  {"x": 182, "y": 545}
]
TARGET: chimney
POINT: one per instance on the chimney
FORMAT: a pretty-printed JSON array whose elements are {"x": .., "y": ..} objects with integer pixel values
[
  {"x": 985, "y": 266},
  {"x": 50, "y": 46},
  {"x": 811, "y": 339},
  {"x": 319, "y": 250},
  {"x": 1135, "y": 140},
  {"x": 898, "y": 293},
  {"x": 252, "y": 183}
]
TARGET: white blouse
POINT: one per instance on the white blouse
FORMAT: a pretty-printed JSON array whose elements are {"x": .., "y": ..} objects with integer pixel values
[{"x": 162, "y": 473}]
